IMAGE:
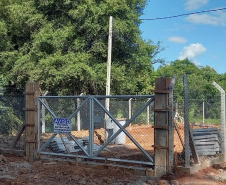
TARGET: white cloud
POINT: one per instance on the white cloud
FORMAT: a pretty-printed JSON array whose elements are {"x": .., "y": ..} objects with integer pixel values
[
  {"x": 177, "y": 39},
  {"x": 195, "y": 4},
  {"x": 218, "y": 19},
  {"x": 192, "y": 51}
]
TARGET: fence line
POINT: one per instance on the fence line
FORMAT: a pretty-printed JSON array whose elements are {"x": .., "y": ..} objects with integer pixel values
[{"x": 90, "y": 141}]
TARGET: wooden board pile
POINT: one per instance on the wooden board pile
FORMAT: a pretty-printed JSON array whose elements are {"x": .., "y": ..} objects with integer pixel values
[
  {"x": 64, "y": 145},
  {"x": 61, "y": 145},
  {"x": 207, "y": 141}
]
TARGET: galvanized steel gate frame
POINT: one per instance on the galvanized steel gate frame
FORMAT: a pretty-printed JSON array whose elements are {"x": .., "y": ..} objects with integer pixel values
[{"x": 89, "y": 153}]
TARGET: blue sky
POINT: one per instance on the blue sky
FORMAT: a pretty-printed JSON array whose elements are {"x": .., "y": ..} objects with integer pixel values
[{"x": 199, "y": 37}]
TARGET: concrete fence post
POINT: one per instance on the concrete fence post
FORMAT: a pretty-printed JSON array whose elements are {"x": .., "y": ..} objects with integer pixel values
[
  {"x": 161, "y": 126},
  {"x": 32, "y": 93},
  {"x": 222, "y": 116}
]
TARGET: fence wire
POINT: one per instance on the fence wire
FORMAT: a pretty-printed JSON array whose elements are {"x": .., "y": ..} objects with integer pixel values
[
  {"x": 12, "y": 116},
  {"x": 204, "y": 115},
  {"x": 90, "y": 123}
]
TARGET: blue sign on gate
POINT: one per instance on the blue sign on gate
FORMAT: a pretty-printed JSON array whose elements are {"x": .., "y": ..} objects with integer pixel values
[{"x": 62, "y": 126}]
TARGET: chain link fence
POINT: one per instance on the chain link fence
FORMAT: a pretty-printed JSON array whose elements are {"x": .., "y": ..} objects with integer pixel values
[
  {"x": 93, "y": 132},
  {"x": 204, "y": 117},
  {"x": 12, "y": 117},
  {"x": 134, "y": 143},
  {"x": 201, "y": 112}
]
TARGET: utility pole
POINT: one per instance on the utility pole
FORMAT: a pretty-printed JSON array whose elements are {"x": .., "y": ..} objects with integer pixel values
[{"x": 108, "y": 85}]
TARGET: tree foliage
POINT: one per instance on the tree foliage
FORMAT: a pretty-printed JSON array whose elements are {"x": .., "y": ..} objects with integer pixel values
[
  {"x": 199, "y": 78},
  {"x": 200, "y": 86},
  {"x": 63, "y": 45}
]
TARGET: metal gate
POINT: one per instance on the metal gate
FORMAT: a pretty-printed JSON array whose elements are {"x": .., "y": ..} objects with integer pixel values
[{"x": 81, "y": 127}]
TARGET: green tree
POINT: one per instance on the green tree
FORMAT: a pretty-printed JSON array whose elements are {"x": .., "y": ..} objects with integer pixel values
[
  {"x": 63, "y": 46},
  {"x": 199, "y": 78},
  {"x": 199, "y": 85}
]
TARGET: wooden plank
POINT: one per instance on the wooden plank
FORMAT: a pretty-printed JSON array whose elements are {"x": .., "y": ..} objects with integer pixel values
[
  {"x": 213, "y": 137},
  {"x": 205, "y": 130},
  {"x": 206, "y": 147},
  {"x": 206, "y": 153},
  {"x": 208, "y": 150},
  {"x": 205, "y": 143},
  {"x": 205, "y": 133}
]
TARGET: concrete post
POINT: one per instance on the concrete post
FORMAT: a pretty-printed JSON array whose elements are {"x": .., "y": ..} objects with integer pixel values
[
  {"x": 32, "y": 93},
  {"x": 161, "y": 126},
  {"x": 222, "y": 116}
]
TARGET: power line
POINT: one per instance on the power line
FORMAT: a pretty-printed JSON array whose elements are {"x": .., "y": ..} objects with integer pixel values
[{"x": 192, "y": 13}]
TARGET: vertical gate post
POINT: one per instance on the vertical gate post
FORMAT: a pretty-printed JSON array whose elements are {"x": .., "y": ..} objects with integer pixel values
[
  {"x": 188, "y": 137},
  {"x": 32, "y": 93},
  {"x": 161, "y": 126},
  {"x": 222, "y": 117},
  {"x": 186, "y": 123},
  {"x": 171, "y": 125},
  {"x": 44, "y": 115}
]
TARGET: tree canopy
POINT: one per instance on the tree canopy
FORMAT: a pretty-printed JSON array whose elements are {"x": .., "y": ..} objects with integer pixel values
[
  {"x": 199, "y": 78},
  {"x": 63, "y": 45},
  {"x": 200, "y": 88}
]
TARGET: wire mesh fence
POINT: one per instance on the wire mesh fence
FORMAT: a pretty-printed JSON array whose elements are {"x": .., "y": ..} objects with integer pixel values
[
  {"x": 205, "y": 123},
  {"x": 12, "y": 116},
  {"x": 203, "y": 113},
  {"x": 122, "y": 133}
]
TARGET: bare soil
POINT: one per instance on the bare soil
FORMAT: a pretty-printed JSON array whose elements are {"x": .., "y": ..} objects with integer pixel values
[{"x": 16, "y": 170}]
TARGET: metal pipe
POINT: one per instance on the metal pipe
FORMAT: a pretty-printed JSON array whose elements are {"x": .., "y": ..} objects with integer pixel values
[{"x": 98, "y": 158}]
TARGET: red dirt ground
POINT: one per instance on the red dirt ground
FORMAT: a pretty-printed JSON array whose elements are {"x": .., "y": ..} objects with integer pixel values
[{"x": 17, "y": 171}]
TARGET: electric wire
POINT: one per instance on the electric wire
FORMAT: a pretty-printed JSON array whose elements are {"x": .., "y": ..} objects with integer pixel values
[{"x": 180, "y": 15}]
